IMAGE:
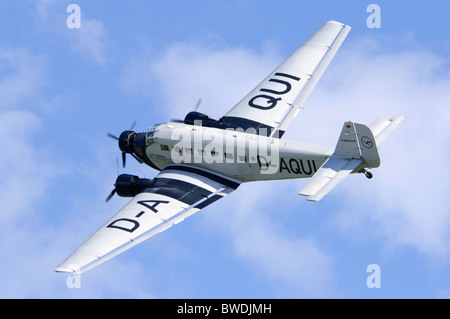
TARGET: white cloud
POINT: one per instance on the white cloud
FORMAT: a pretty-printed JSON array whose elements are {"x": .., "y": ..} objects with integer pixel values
[
  {"x": 21, "y": 77},
  {"x": 405, "y": 203},
  {"x": 16, "y": 128},
  {"x": 27, "y": 171},
  {"x": 90, "y": 40},
  {"x": 35, "y": 222},
  {"x": 295, "y": 266},
  {"x": 220, "y": 76},
  {"x": 42, "y": 8}
]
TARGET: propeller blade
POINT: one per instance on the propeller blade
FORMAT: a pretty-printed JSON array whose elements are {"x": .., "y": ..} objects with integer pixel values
[
  {"x": 111, "y": 195},
  {"x": 124, "y": 156},
  {"x": 133, "y": 125},
  {"x": 177, "y": 120},
  {"x": 113, "y": 136},
  {"x": 198, "y": 104}
]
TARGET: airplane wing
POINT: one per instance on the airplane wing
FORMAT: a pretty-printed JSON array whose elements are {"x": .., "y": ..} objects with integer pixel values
[
  {"x": 276, "y": 101},
  {"x": 177, "y": 192}
]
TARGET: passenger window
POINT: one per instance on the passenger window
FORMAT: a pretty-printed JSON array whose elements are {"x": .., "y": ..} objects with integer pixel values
[
  {"x": 242, "y": 159},
  {"x": 164, "y": 147}
]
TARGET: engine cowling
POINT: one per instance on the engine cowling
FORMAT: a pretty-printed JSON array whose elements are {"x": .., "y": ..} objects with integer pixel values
[
  {"x": 131, "y": 185},
  {"x": 192, "y": 117}
]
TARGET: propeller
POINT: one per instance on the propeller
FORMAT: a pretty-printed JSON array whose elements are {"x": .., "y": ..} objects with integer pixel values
[
  {"x": 126, "y": 146},
  {"x": 114, "y": 190},
  {"x": 195, "y": 109},
  {"x": 123, "y": 153},
  {"x": 123, "y": 143}
]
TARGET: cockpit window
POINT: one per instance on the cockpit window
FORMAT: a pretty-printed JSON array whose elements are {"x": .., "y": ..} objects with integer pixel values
[
  {"x": 149, "y": 135},
  {"x": 151, "y": 131}
]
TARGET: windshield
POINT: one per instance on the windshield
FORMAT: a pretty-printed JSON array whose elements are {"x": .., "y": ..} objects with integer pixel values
[{"x": 151, "y": 131}]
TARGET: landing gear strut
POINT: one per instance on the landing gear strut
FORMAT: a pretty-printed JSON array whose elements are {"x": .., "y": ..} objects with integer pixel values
[{"x": 368, "y": 174}]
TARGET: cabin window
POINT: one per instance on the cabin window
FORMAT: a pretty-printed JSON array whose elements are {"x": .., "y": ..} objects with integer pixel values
[
  {"x": 242, "y": 159},
  {"x": 164, "y": 147}
]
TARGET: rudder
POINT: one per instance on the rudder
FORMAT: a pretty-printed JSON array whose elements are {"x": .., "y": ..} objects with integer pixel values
[{"x": 357, "y": 142}]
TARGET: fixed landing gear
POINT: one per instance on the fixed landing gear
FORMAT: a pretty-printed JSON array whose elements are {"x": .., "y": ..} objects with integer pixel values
[{"x": 368, "y": 174}]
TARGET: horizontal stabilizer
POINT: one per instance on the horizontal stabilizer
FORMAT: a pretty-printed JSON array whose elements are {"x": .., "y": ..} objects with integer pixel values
[
  {"x": 381, "y": 128},
  {"x": 334, "y": 170},
  {"x": 357, "y": 145}
]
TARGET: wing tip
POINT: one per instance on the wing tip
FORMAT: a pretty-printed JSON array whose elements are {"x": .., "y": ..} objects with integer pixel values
[
  {"x": 311, "y": 197},
  {"x": 338, "y": 23},
  {"x": 63, "y": 270},
  {"x": 335, "y": 22},
  {"x": 67, "y": 269},
  {"x": 397, "y": 118}
]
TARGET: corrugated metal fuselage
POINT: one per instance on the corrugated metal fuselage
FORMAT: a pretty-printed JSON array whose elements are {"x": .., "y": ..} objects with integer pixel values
[{"x": 233, "y": 153}]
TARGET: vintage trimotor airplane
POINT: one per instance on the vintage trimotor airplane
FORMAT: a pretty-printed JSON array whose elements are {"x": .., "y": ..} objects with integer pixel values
[{"x": 201, "y": 159}]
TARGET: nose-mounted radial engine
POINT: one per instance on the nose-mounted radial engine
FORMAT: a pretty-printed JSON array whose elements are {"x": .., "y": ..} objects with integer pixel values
[{"x": 126, "y": 144}]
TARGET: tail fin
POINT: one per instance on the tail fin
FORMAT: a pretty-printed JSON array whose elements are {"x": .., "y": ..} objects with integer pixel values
[
  {"x": 357, "y": 142},
  {"x": 355, "y": 149}
]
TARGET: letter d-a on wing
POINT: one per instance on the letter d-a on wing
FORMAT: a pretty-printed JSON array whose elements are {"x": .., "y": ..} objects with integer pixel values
[{"x": 177, "y": 192}]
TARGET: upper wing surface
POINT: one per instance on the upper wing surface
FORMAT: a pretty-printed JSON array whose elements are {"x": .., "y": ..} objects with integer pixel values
[
  {"x": 177, "y": 192},
  {"x": 275, "y": 102}
]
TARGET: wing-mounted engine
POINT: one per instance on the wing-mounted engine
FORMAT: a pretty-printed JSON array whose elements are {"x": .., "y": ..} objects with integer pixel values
[
  {"x": 174, "y": 194},
  {"x": 129, "y": 186},
  {"x": 197, "y": 118}
]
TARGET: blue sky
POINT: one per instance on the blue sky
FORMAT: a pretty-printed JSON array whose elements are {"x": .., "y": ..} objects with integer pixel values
[{"x": 62, "y": 90}]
